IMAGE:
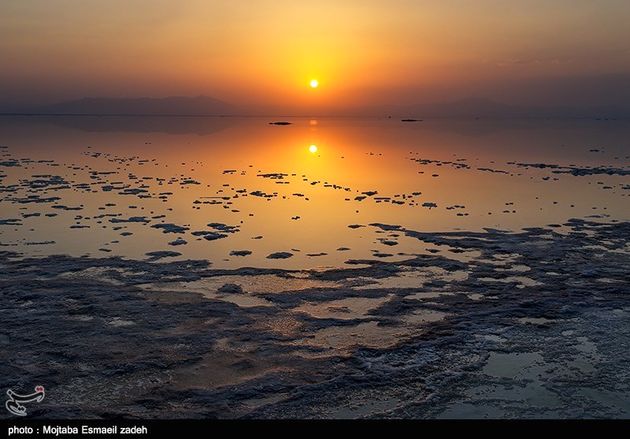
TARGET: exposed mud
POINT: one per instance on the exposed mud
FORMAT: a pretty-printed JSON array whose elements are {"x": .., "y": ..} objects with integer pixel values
[{"x": 531, "y": 324}]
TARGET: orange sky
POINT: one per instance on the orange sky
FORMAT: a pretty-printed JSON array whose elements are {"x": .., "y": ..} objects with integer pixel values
[{"x": 263, "y": 53}]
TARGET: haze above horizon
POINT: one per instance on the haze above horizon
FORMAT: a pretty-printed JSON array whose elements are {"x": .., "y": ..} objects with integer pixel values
[{"x": 317, "y": 57}]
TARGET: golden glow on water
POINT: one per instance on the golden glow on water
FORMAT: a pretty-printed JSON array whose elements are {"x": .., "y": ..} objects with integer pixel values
[{"x": 313, "y": 178}]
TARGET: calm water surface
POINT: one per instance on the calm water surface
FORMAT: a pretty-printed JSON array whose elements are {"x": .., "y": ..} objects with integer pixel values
[{"x": 220, "y": 188}]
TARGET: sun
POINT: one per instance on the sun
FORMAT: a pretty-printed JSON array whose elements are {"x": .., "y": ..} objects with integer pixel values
[
  {"x": 314, "y": 83},
  {"x": 312, "y": 149}
]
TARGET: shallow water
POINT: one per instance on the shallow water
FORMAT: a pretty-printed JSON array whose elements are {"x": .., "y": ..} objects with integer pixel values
[
  {"x": 128, "y": 186},
  {"x": 526, "y": 329}
]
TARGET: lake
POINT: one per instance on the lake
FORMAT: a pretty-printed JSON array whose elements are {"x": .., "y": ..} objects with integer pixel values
[
  {"x": 93, "y": 186},
  {"x": 196, "y": 267}
]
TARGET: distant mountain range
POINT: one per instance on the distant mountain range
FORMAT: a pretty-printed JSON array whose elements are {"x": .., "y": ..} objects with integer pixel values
[
  {"x": 207, "y": 106},
  {"x": 481, "y": 107},
  {"x": 174, "y": 105}
]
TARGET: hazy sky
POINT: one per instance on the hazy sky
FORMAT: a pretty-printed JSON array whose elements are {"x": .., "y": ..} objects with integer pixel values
[{"x": 262, "y": 53}]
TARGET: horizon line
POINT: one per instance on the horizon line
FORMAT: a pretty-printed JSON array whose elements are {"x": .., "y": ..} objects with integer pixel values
[{"x": 365, "y": 116}]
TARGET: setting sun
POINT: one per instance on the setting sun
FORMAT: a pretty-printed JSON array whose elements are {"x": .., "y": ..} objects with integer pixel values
[{"x": 458, "y": 249}]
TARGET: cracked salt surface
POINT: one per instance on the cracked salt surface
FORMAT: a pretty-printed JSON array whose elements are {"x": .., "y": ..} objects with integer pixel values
[
  {"x": 309, "y": 320},
  {"x": 513, "y": 315}
]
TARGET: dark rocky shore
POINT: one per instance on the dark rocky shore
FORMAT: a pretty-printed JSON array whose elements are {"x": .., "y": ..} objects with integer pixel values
[{"x": 518, "y": 325}]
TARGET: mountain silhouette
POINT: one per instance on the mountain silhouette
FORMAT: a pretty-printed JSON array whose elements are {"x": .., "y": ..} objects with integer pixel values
[
  {"x": 174, "y": 105},
  {"x": 482, "y": 107},
  {"x": 472, "y": 107}
]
